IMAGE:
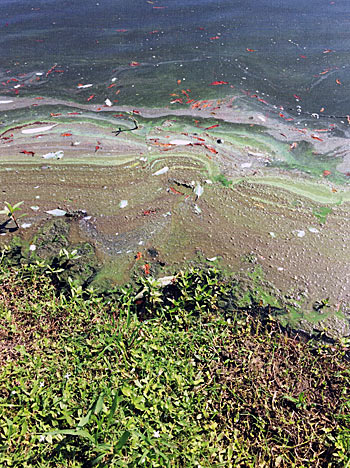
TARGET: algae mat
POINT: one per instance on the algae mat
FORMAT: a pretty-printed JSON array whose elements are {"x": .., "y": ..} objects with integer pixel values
[{"x": 165, "y": 189}]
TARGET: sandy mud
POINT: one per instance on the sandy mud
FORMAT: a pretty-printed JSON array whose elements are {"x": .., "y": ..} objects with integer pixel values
[{"x": 219, "y": 183}]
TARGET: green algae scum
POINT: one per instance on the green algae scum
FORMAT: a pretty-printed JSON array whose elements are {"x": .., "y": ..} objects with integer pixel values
[{"x": 262, "y": 195}]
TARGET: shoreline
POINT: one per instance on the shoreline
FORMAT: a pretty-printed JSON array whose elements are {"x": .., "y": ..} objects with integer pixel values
[{"x": 257, "y": 199}]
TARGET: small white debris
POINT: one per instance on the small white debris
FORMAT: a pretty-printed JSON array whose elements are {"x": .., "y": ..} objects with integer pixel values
[
  {"x": 108, "y": 102},
  {"x": 143, "y": 159},
  {"x": 246, "y": 165},
  {"x": 56, "y": 212},
  {"x": 198, "y": 190},
  {"x": 56, "y": 155},
  {"x": 32, "y": 247},
  {"x": 28, "y": 131},
  {"x": 180, "y": 142},
  {"x": 161, "y": 171},
  {"x": 272, "y": 234},
  {"x": 87, "y": 218},
  {"x": 314, "y": 230},
  {"x": 35, "y": 208},
  {"x": 123, "y": 203},
  {"x": 208, "y": 181},
  {"x": 197, "y": 209},
  {"x": 165, "y": 280},
  {"x": 167, "y": 214},
  {"x": 212, "y": 259},
  {"x": 26, "y": 225},
  {"x": 75, "y": 143},
  {"x": 113, "y": 80},
  {"x": 280, "y": 269},
  {"x": 81, "y": 86},
  {"x": 300, "y": 233},
  {"x": 6, "y": 102}
]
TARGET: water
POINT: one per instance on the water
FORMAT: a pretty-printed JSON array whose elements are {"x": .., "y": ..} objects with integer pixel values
[{"x": 298, "y": 50}]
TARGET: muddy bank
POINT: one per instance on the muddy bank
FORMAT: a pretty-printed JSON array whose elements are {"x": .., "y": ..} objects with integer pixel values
[{"x": 190, "y": 188}]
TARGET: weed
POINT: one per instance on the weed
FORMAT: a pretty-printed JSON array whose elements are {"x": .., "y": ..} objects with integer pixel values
[
  {"x": 10, "y": 210},
  {"x": 223, "y": 180},
  {"x": 322, "y": 213},
  {"x": 160, "y": 377}
]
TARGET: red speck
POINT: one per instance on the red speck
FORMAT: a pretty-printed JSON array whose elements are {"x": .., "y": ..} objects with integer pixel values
[{"x": 217, "y": 83}]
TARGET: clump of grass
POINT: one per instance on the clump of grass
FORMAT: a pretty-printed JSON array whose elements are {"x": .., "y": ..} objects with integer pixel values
[
  {"x": 223, "y": 180},
  {"x": 165, "y": 380}
]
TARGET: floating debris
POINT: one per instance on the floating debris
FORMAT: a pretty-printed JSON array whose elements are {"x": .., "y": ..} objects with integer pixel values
[
  {"x": 56, "y": 155},
  {"x": 108, "y": 102},
  {"x": 29, "y": 131},
  {"x": 179, "y": 142},
  {"x": 161, "y": 171},
  {"x": 56, "y": 212},
  {"x": 81, "y": 86}
]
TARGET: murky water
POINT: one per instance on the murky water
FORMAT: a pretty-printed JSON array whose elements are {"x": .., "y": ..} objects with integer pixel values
[{"x": 291, "y": 53}]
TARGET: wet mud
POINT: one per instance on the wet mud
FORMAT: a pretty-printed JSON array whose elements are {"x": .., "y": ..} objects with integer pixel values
[{"x": 229, "y": 187}]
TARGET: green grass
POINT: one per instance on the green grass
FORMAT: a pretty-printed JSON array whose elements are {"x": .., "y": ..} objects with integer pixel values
[{"x": 168, "y": 379}]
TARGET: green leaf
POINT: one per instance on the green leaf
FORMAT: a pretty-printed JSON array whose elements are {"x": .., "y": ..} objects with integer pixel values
[
  {"x": 17, "y": 205},
  {"x": 98, "y": 459},
  {"x": 99, "y": 404},
  {"x": 126, "y": 391},
  {"x": 113, "y": 408},
  {"x": 123, "y": 440},
  {"x": 73, "y": 432},
  {"x": 84, "y": 420}
]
